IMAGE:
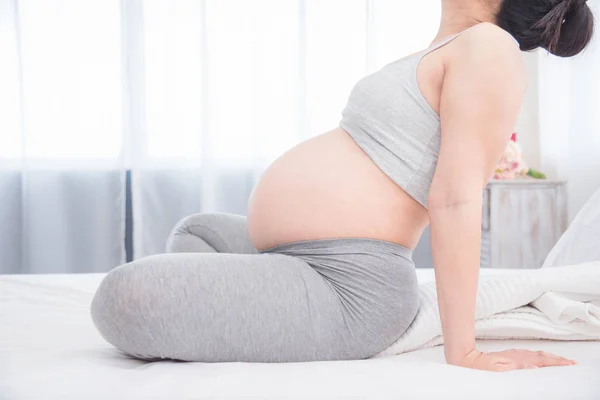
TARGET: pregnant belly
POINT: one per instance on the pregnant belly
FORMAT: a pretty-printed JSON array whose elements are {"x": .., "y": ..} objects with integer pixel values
[{"x": 327, "y": 187}]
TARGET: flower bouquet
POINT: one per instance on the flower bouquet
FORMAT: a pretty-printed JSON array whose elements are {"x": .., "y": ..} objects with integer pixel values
[{"x": 512, "y": 165}]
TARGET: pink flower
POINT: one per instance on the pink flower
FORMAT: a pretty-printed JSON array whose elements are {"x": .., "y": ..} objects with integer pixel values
[
  {"x": 511, "y": 163},
  {"x": 505, "y": 174}
]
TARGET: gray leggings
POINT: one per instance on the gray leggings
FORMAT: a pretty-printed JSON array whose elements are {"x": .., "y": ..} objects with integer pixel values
[{"x": 333, "y": 299}]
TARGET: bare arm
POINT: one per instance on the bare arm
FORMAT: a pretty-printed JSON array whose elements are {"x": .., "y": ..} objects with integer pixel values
[
  {"x": 480, "y": 101},
  {"x": 481, "y": 97}
]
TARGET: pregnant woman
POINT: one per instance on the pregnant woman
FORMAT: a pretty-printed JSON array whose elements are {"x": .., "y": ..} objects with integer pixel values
[{"x": 322, "y": 268}]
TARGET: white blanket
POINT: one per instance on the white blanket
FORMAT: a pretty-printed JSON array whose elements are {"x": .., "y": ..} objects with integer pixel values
[
  {"x": 50, "y": 350},
  {"x": 560, "y": 303}
]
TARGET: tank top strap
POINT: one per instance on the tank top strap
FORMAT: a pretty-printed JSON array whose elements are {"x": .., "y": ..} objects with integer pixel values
[
  {"x": 449, "y": 39},
  {"x": 444, "y": 42}
]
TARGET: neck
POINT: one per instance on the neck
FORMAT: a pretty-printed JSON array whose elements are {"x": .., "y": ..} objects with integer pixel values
[{"x": 458, "y": 15}]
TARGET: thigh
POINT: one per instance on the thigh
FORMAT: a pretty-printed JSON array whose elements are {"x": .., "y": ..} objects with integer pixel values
[
  {"x": 222, "y": 307},
  {"x": 211, "y": 233}
]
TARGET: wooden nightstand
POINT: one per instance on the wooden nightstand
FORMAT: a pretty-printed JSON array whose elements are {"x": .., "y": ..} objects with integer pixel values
[{"x": 522, "y": 220}]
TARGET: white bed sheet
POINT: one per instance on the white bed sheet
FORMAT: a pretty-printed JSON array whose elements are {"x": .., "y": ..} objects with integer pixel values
[{"x": 49, "y": 349}]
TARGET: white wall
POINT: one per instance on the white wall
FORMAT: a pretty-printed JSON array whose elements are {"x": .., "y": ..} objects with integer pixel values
[{"x": 528, "y": 126}]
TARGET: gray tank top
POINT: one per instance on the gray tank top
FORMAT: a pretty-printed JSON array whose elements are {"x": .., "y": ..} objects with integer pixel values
[{"x": 388, "y": 117}]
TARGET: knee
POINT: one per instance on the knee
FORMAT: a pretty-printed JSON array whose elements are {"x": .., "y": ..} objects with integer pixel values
[
  {"x": 187, "y": 224},
  {"x": 120, "y": 310},
  {"x": 210, "y": 233},
  {"x": 191, "y": 233}
]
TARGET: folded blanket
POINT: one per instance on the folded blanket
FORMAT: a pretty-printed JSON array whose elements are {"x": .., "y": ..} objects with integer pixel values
[{"x": 561, "y": 303}]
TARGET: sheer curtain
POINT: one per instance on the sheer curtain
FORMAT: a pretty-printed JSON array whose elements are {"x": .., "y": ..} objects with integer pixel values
[
  {"x": 61, "y": 175},
  {"x": 569, "y": 93},
  {"x": 229, "y": 85},
  {"x": 186, "y": 100}
]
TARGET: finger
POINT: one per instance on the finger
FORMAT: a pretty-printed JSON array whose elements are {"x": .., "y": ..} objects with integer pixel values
[
  {"x": 550, "y": 355},
  {"x": 542, "y": 361},
  {"x": 529, "y": 366},
  {"x": 545, "y": 354}
]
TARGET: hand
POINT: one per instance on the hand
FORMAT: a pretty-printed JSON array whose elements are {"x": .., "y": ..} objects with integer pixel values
[{"x": 510, "y": 360}]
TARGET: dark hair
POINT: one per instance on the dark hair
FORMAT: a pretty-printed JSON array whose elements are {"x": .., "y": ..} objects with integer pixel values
[{"x": 563, "y": 27}]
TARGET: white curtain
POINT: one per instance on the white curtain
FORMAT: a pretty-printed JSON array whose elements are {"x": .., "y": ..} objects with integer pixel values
[
  {"x": 229, "y": 85},
  {"x": 570, "y": 119},
  {"x": 184, "y": 101},
  {"x": 61, "y": 174}
]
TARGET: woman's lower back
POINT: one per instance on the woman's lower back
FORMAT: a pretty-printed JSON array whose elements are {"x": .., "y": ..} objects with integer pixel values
[{"x": 327, "y": 187}]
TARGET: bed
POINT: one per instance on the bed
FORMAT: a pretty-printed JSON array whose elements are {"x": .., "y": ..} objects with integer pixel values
[{"x": 49, "y": 349}]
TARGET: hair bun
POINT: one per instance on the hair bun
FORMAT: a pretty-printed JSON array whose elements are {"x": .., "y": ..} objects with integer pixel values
[
  {"x": 563, "y": 27},
  {"x": 562, "y": 15}
]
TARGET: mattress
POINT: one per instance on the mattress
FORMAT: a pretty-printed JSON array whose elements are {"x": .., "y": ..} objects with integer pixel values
[{"x": 49, "y": 349}]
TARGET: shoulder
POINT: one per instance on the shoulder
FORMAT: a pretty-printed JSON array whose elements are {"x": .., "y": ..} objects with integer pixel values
[
  {"x": 487, "y": 34},
  {"x": 486, "y": 52}
]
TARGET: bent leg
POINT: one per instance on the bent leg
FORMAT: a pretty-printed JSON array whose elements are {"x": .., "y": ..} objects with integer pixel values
[
  {"x": 223, "y": 307},
  {"x": 210, "y": 233}
]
